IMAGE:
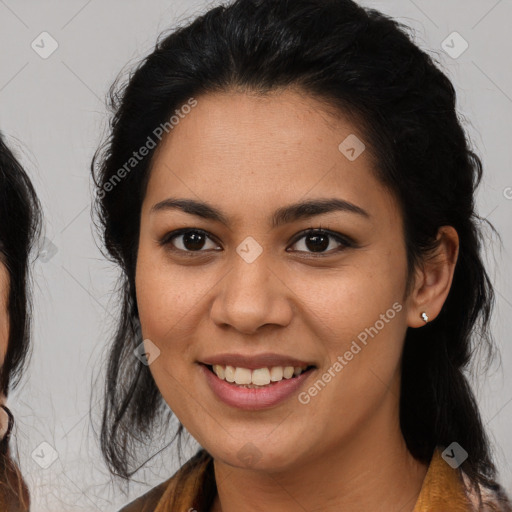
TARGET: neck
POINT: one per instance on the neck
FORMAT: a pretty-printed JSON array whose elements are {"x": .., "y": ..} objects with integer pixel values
[{"x": 373, "y": 471}]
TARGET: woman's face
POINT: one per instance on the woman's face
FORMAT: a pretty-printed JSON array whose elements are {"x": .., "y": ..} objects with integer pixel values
[{"x": 250, "y": 288}]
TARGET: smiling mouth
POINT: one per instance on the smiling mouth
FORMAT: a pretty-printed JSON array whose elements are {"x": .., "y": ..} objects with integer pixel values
[{"x": 258, "y": 378}]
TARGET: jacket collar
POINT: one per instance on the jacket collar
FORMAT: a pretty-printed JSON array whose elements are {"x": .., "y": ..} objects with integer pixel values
[
  {"x": 193, "y": 487},
  {"x": 442, "y": 489}
]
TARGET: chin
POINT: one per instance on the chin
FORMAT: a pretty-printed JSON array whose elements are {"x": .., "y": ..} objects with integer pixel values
[{"x": 257, "y": 455}]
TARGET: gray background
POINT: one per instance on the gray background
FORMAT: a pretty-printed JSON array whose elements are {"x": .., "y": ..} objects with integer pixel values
[{"x": 53, "y": 114}]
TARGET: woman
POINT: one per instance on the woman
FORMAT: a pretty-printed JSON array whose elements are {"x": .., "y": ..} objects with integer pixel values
[
  {"x": 290, "y": 196},
  {"x": 20, "y": 212}
]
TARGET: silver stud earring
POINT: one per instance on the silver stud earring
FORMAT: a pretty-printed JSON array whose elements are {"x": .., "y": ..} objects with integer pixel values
[{"x": 424, "y": 316}]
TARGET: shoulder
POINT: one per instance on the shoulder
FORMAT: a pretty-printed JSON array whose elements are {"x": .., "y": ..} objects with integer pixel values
[
  {"x": 485, "y": 499},
  {"x": 194, "y": 480},
  {"x": 148, "y": 501}
]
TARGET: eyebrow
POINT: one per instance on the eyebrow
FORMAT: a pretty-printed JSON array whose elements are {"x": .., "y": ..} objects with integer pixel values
[{"x": 283, "y": 215}]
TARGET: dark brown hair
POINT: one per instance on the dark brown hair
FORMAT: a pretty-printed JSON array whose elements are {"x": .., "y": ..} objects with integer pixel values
[{"x": 20, "y": 225}]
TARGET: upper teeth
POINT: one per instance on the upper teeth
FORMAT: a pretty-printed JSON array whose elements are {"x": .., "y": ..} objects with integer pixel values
[{"x": 259, "y": 377}]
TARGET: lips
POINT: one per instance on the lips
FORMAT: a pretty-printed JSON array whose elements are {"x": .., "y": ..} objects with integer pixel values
[
  {"x": 265, "y": 360},
  {"x": 256, "y": 397},
  {"x": 287, "y": 374}
]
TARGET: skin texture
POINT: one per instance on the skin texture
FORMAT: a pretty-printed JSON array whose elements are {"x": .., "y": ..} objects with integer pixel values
[{"x": 249, "y": 155}]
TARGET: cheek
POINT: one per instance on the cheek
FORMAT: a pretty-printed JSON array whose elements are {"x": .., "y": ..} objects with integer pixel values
[
  {"x": 161, "y": 305},
  {"x": 348, "y": 299},
  {"x": 168, "y": 303},
  {"x": 158, "y": 293},
  {"x": 169, "y": 298},
  {"x": 357, "y": 313}
]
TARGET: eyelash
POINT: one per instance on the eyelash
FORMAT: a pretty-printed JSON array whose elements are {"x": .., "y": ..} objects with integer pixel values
[{"x": 345, "y": 241}]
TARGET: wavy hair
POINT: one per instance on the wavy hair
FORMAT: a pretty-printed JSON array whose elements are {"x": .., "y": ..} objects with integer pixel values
[{"x": 20, "y": 227}]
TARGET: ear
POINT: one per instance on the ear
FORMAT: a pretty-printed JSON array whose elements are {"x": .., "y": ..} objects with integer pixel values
[{"x": 434, "y": 279}]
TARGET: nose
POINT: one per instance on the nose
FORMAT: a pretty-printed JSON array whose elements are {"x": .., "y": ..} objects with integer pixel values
[{"x": 251, "y": 295}]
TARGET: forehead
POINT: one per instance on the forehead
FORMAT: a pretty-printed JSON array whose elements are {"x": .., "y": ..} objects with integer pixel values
[
  {"x": 277, "y": 128},
  {"x": 250, "y": 150}
]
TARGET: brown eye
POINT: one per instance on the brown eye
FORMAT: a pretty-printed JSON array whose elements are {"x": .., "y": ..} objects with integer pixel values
[
  {"x": 187, "y": 240},
  {"x": 321, "y": 241}
]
